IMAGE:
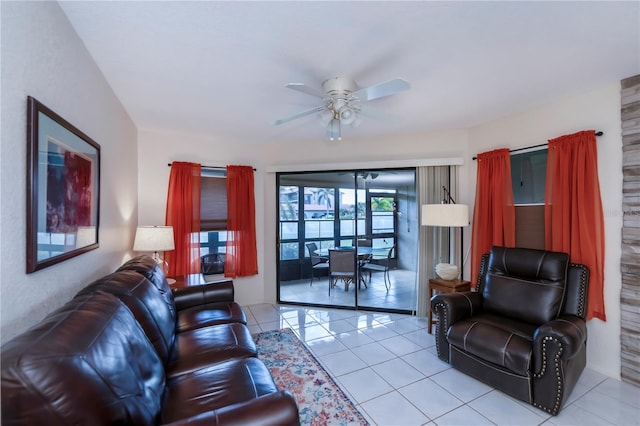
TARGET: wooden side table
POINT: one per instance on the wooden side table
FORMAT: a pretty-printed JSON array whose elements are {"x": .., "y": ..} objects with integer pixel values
[
  {"x": 186, "y": 280},
  {"x": 444, "y": 286}
]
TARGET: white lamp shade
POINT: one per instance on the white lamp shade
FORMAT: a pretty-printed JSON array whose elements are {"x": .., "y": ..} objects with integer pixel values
[
  {"x": 445, "y": 215},
  {"x": 154, "y": 238}
]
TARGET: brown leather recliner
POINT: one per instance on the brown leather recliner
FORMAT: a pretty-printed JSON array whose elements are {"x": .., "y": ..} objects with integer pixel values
[{"x": 523, "y": 330}]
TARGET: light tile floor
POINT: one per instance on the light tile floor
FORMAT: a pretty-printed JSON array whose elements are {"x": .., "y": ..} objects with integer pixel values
[
  {"x": 400, "y": 295},
  {"x": 387, "y": 365}
]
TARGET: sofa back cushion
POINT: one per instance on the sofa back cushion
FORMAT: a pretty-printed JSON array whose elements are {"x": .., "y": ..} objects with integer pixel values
[
  {"x": 88, "y": 363},
  {"x": 525, "y": 284},
  {"x": 156, "y": 316}
]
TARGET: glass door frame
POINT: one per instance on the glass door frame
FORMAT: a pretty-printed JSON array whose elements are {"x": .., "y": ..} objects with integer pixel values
[{"x": 303, "y": 259}]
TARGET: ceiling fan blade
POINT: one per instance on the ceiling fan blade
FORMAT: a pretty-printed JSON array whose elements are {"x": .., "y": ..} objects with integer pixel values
[
  {"x": 301, "y": 87},
  {"x": 381, "y": 90},
  {"x": 298, "y": 115}
]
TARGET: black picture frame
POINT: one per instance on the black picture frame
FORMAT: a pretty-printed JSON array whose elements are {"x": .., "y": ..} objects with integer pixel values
[{"x": 63, "y": 189}]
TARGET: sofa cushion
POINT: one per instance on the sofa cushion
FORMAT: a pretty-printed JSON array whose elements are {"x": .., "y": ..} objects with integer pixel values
[
  {"x": 156, "y": 316},
  {"x": 507, "y": 345},
  {"x": 217, "y": 386},
  {"x": 88, "y": 363},
  {"x": 525, "y": 284},
  {"x": 205, "y": 346}
]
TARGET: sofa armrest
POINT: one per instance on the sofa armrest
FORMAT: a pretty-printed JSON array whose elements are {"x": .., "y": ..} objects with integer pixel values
[
  {"x": 449, "y": 308},
  {"x": 568, "y": 333},
  {"x": 197, "y": 295},
  {"x": 275, "y": 409}
]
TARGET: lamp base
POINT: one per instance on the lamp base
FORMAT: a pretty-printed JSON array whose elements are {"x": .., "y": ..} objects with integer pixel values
[{"x": 161, "y": 263}]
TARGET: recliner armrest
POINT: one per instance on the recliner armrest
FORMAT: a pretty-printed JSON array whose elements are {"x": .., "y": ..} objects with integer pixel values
[
  {"x": 569, "y": 332},
  {"x": 456, "y": 306},
  {"x": 448, "y": 309},
  {"x": 197, "y": 295},
  {"x": 275, "y": 409}
]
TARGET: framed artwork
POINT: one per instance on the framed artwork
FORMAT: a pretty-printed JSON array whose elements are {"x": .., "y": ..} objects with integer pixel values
[{"x": 63, "y": 188}]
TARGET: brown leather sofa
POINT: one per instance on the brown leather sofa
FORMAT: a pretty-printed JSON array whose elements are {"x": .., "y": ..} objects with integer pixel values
[
  {"x": 523, "y": 331},
  {"x": 128, "y": 350}
]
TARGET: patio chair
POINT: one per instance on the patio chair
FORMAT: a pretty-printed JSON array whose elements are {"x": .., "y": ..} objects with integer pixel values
[
  {"x": 363, "y": 242},
  {"x": 342, "y": 266},
  {"x": 380, "y": 265},
  {"x": 212, "y": 263},
  {"x": 318, "y": 263}
]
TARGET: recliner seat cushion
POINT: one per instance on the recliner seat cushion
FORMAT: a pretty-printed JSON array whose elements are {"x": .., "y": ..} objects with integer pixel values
[
  {"x": 217, "y": 386},
  {"x": 525, "y": 284},
  {"x": 205, "y": 346},
  {"x": 507, "y": 345}
]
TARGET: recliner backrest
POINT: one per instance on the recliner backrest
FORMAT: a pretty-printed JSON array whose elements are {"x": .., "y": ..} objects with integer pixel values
[
  {"x": 156, "y": 317},
  {"x": 146, "y": 266},
  {"x": 87, "y": 363},
  {"x": 525, "y": 284},
  {"x": 576, "y": 293}
]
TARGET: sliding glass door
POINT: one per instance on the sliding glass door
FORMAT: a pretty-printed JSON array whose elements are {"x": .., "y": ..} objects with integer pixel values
[{"x": 362, "y": 216}]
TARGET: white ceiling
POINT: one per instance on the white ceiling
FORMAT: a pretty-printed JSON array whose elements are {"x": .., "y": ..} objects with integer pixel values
[{"x": 220, "y": 68}]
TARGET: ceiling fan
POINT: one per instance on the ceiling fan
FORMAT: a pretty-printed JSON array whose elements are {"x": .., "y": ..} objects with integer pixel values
[{"x": 342, "y": 100}]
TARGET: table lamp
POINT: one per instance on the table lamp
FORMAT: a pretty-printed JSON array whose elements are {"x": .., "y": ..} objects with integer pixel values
[
  {"x": 447, "y": 214},
  {"x": 154, "y": 239}
]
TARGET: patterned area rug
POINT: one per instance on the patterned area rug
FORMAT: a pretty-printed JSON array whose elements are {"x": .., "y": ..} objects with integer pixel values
[{"x": 294, "y": 368}]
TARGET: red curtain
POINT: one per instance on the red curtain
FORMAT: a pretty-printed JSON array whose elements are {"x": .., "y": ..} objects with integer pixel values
[
  {"x": 494, "y": 217},
  {"x": 183, "y": 213},
  {"x": 573, "y": 217},
  {"x": 241, "y": 258}
]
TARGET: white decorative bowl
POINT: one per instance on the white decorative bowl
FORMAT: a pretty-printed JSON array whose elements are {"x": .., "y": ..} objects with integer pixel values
[{"x": 447, "y": 271}]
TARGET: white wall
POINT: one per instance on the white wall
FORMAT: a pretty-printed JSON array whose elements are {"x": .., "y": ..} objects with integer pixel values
[
  {"x": 43, "y": 57},
  {"x": 598, "y": 110}
]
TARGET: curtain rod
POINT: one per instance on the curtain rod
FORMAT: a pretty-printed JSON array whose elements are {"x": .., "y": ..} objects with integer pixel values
[
  {"x": 213, "y": 167},
  {"x": 599, "y": 133}
]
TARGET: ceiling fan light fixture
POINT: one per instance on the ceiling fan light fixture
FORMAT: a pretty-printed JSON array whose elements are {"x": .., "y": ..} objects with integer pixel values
[
  {"x": 347, "y": 115},
  {"x": 326, "y": 116},
  {"x": 334, "y": 131}
]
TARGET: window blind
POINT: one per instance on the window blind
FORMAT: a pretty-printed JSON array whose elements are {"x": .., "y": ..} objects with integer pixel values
[{"x": 213, "y": 203}]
